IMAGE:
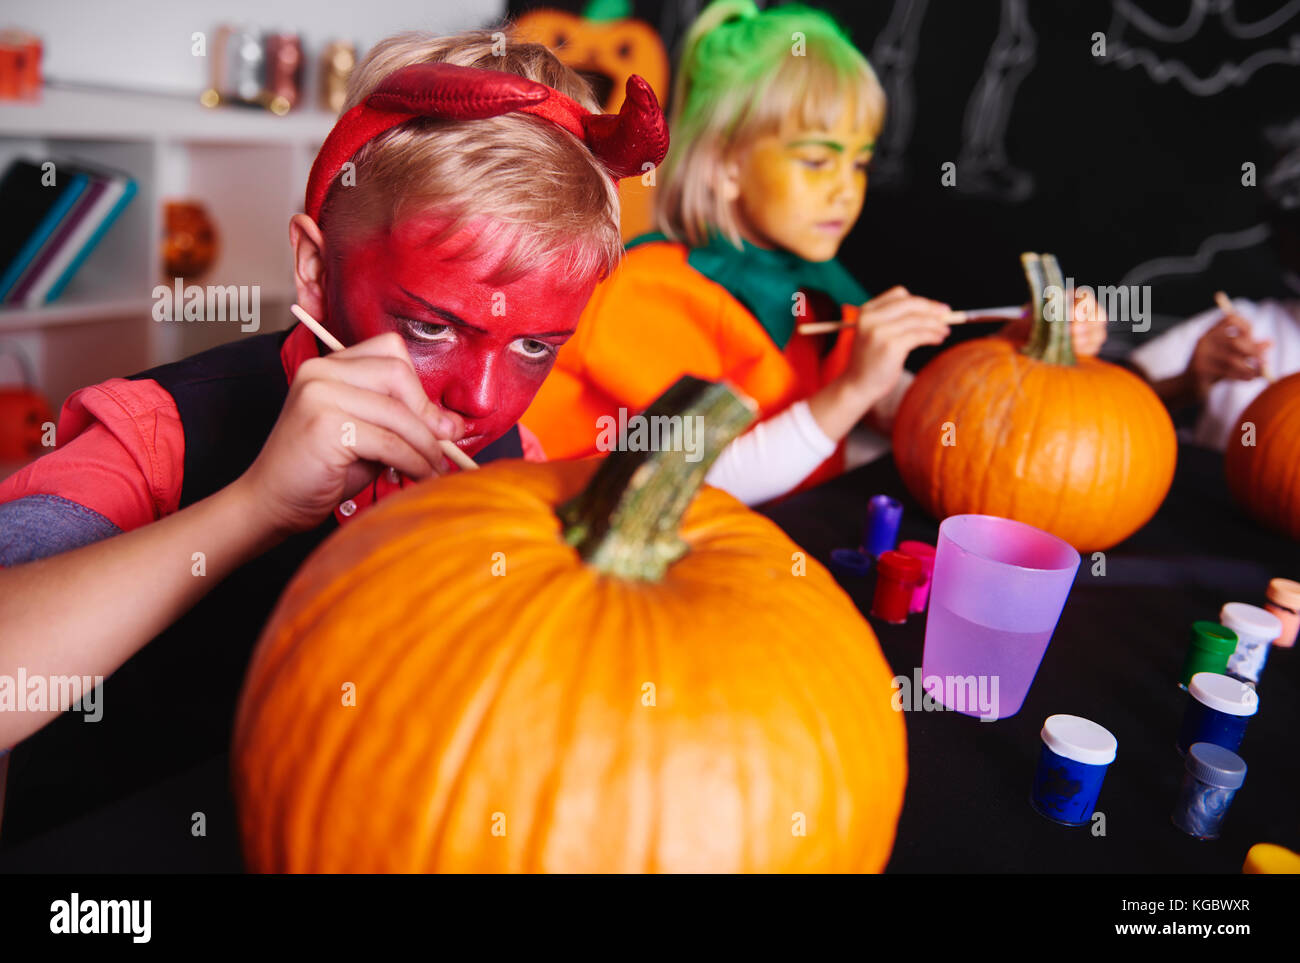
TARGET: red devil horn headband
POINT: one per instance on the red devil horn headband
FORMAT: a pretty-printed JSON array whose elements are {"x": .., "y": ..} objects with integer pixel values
[{"x": 623, "y": 142}]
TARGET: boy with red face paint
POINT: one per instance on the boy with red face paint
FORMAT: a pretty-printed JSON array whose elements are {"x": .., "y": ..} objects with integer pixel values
[{"x": 457, "y": 219}]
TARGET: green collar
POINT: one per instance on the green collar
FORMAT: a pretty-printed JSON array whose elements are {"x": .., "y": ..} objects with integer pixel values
[{"x": 765, "y": 280}]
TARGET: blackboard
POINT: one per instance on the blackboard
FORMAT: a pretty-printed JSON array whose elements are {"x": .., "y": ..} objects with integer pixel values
[{"x": 1117, "y": 134}]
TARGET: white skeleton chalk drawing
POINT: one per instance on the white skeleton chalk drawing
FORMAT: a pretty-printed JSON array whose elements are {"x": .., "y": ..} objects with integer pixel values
[
  {"x": 1282, "y": 183},
  {"x": 983, "y": 167},
  {"x": 1199, "y": 262},
  {"x": 893, "y": 57},
  {"x": 982, "y": 164},
  {"x": 1280, "y": 29}
]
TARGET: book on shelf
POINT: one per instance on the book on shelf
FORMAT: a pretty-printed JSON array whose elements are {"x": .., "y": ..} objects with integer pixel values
[{"x": 53, "y": 227}]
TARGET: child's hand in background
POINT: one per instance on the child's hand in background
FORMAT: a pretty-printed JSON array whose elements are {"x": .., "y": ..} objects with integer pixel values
[
  {"x": 347, "y": 416},
  {"x": 1087, "y": 327},
  {"x": 1227, "y": 350}
]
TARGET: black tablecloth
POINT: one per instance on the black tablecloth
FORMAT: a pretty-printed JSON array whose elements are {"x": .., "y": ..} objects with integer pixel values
[{"x": 1114, "y": 659}]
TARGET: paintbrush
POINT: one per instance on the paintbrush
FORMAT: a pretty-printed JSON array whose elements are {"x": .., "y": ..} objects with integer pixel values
[{"x": 952, "y": 317}]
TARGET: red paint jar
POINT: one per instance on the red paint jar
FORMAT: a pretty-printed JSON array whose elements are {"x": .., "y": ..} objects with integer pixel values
[{"x": 897, "y": 576}]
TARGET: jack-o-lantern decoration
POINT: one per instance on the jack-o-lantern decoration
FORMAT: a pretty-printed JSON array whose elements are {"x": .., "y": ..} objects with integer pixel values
[
  {"x": 189, "y": 239},
  {"x": 605, "y": 47},
  {"x": 24, "y": 414}
]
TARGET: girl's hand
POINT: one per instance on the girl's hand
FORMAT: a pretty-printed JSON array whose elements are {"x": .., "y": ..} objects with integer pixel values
[
  {"x": 348, "y": 415},
  {"x": 889, "y": 328}
]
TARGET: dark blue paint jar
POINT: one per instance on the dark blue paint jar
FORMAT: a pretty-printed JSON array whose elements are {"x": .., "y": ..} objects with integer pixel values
[
  {"x": 1219, "y": 708},
  {"x": 1211, "y": 780},
  {"x": 850, "y": 561},
  {"x": 1072, "y": 764}
]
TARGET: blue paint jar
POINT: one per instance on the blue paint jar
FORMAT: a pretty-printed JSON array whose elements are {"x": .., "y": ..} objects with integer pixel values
[
  {"x": 1071, "y": 766},
  {"x": 1211, "y": 780},
  {"x": 1218, "y": 709},
  {"x": 884, "y": 515}
]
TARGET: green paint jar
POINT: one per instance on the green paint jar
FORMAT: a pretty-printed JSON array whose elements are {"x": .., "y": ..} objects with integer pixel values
[{"x": 1209, "y": 650}]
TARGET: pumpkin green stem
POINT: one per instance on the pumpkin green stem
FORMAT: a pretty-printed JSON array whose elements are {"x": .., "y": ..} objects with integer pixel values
[
  {"x": 625, "y": 521},
  {"x": 1050, "y": 339}
]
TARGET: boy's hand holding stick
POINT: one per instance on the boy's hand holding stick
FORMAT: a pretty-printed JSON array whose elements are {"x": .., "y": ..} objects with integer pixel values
[
  {"x": 334, "y": 344},
  {"x": 348, "y": 414}
]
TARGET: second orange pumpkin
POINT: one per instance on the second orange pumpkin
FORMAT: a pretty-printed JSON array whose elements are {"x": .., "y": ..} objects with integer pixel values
[{"x": 1077, "y": 447}]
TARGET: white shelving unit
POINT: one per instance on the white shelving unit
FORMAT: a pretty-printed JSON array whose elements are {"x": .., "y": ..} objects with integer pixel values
[{"x": 249, "y": 169}]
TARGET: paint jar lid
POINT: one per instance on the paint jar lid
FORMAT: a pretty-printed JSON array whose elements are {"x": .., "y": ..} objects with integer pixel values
[
  {"x": 1079, "y": 739},
  {"x": 1214, "y": 638},
  {"x": 1285, "y": 592},
  {"x": 1250, "y": 620},
  {"x": 850, "y": 561},
  {"x": 886, "y": 503},
  {"x": 1224, "y": 694},
  {"x": 920, "y": 551},
  {"x": 900, "y": 567},
  {"x": 1216, "y": 766}
]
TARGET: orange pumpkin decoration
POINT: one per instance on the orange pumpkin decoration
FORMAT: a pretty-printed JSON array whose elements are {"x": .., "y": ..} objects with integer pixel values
[
  {"x": 1077, "y": 447},
  {"x": 606, "y": 47},
  {"x": 610, "y": 686},
  {"x": 1262, "y": 460}
]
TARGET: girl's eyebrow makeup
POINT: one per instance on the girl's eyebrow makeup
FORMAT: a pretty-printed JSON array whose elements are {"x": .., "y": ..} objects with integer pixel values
[{"x": 832, "y": 144}]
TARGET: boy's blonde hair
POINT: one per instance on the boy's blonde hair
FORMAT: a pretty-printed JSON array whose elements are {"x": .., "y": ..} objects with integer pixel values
[
  {"x": 742, "y": 75},
  {"x": 544, "y": 191}
]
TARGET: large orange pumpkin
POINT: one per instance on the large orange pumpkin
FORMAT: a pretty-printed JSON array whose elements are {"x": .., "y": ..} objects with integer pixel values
[
  {"x": 607, "y": 46},
  {"x": 527, "y": 704},
  {"x": 1077, "y": 447},
  {"x": 1262, "y": 459}
]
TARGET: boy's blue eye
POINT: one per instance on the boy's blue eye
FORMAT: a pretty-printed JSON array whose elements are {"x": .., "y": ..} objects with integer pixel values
[{"x": 813, "y": 163}]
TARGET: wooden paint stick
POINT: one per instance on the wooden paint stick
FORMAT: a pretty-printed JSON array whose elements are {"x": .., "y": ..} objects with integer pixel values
[{"x": 952, "y": 317}]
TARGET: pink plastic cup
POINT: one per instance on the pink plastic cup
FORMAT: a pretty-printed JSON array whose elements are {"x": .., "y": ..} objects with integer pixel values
[{"x": 995, "y": 597}]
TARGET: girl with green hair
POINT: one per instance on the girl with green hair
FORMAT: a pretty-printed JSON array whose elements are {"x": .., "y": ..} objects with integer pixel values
[{"x": 774, "y": 120}]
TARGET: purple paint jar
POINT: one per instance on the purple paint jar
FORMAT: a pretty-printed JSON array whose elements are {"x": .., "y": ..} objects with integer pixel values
[
  {"x": 884, "y": 515},
  {"x": 1219, "y": 708},
  {"x": 1071, "y": 766}
]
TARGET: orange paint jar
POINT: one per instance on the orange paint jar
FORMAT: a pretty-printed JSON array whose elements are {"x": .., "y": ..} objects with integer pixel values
[{"x": 1284, "y": 602}]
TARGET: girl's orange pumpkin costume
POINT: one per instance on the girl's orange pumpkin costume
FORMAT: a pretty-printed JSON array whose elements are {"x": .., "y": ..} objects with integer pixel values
[{"x": 657, "y": 318}]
